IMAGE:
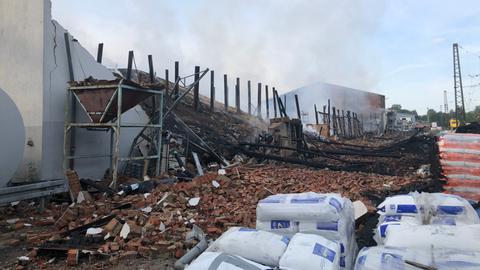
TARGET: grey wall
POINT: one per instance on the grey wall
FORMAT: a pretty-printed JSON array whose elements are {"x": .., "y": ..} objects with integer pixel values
[
  {"x": 21, "y": 72},
  {"x": 34, "y": 72}
]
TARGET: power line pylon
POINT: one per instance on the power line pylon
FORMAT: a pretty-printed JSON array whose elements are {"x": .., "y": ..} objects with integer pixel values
[{"x": 458, "y": 88}]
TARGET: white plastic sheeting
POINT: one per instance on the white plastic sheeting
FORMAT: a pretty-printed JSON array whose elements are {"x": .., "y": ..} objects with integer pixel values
[
  {"x": 311, "y": 252},
  {"x": 258, "y": 246},
  {"x": 223, "y": 261},
  {"x": 329, "y": 215},
  {"x": 466, "y": 237},
  {"x": 387, "y": 258},
  {"x": 417, "y": 209},
  {"x": 392, "y": 220}
]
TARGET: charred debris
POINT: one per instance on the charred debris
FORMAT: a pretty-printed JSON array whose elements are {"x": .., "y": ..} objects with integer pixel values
[{"x": 198, "y": 162}]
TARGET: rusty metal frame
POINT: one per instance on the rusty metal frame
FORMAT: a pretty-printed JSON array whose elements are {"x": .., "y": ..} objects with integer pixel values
[{"x": 115, "y": 125}]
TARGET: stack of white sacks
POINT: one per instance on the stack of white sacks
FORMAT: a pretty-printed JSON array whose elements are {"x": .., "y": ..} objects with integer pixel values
[
  {"x": 294, "y": 232},
  {"x": 433, "y": 229}
]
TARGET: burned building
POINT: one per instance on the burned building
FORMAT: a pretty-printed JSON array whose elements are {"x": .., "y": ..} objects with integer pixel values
[{"x": 369, "y": 106}]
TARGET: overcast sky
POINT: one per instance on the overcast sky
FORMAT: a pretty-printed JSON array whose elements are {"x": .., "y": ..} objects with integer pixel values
[{"x": 402, "y": 49}]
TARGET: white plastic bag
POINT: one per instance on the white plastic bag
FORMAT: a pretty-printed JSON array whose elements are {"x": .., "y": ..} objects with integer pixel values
[
  {"x": 455, "y": 259},
  {"x": 466, "y": 238},
  {"x": 444, "y": 206},
  {"x": 311, "y": 252},
  {"x": 282, "y": 227},
  {"x": 301, "y": 206},
  {"x": 223, "y": 261},
  {"x": 259, "y": 246},
  {"x": 329, "y": 215},
  {"x": 394, "y": 220},
  {"x": 388, "y": 258},
  {"x": 399, "y": 205}
]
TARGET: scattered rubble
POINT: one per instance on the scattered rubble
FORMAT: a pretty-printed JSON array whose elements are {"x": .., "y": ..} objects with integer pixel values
[{"x": 154, "y": 223}]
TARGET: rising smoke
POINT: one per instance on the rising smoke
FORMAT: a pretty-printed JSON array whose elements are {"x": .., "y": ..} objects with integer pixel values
[{"x": 286, "y": 44}]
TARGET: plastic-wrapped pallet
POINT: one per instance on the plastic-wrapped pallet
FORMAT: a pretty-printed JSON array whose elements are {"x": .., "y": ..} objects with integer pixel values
[
  {"x": 400, "y": 205},
  {"x": 259, "y": 246},
  {"x": 282, "y": 213},
  {"x": 423, "y": 208},
  {"x": 311, "y": 252},
  {"x": 441, "y": 207},
  {"x": 329, "y": 215},
  {"x": 224, "y": 261},
  {"x": 466, "y": 237},
  {"x": 393, "y": 220},
  {"x": 460, "y": 160},
  {"x": 456, "y": 259},
  {"x": 396, "y": 210},
  {"x": 388, "y": 258}
]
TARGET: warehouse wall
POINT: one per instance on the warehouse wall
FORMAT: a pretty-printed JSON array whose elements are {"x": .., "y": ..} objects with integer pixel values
[
  {"x": 34, "y": 72},
  {"x": 21, "y": 72}
]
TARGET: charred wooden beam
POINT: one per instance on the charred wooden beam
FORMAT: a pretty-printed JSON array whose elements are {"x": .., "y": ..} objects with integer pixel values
[
  {"x": 316, "y": 114},
  {"x": 237, "y": 95},
  {"x": 212, "y": 90},
  {"x": 299, "y": 115},
  {"x": 267, "y": 106},
  {"x": 129, "y": 66},
  {"x": 100, "y": 53},
  {"x": 196, "y": 90},
  {"x": 274, "y": 103},
  {"x": 249, "y": 97},
  {"x": 167, "y": 82},
  {"x": 150, "y": 69},
  {"x": 177, "y": 77},
  {"x": 225, "y": 91},
  {"x": 259, "y": 101},
  {"x": 334, "y": 121}
]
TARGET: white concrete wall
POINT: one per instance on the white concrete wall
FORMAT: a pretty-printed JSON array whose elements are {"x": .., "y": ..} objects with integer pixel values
[
  {"x": 34, "y": 72},
  {"x": 21, "y": 72}
]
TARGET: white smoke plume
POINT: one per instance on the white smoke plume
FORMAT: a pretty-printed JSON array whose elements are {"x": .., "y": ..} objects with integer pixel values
[{"x": 286, "y": 44}]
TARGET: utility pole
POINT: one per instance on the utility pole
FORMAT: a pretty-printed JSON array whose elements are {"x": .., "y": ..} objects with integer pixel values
[
  {"x": 445, "y": 101},
  {"x": 458, "y": 87},
  {"x": 445, "y": 108}
]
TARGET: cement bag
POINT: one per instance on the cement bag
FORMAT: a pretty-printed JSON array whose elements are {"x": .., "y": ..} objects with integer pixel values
[
  {"x": 444, "y": 206},
  {"x": 224, "y": 261},
  {"x": 456, "y": 259},
  {"x": 400, "y": 205},
  {"x": 258, "y": 246},
  {"x": 388, "y": 258},
  {"x": 341, "y": 232},
  {"x": 301, "y": 206},
  {"x": 311, "y": 252},
  {"x": 334, "y": 230},
  {"x": 278, "y": 226},
  {"x": 394, "y": 220},
  {"x": 465, "y": 237}
]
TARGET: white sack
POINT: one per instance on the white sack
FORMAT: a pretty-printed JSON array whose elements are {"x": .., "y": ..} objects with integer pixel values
[
  {"x": 448, "y": 205},
  {"x": 388, "y": 258},
  {"x": 223, "y": 261},
  {"x": 301, "y": 206},
  {"x": 310, "y": 252},
  {"x": 465, "y": 237},
  {"x": 399, "y": 205},
  {"x": 394, "y": 220},
  {"x": 259, "y": 246}
]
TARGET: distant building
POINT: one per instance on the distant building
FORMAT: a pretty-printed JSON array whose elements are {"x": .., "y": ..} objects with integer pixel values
[
  {"x": 401, "y": 121},
  {"x": 370, "y": 107}
]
